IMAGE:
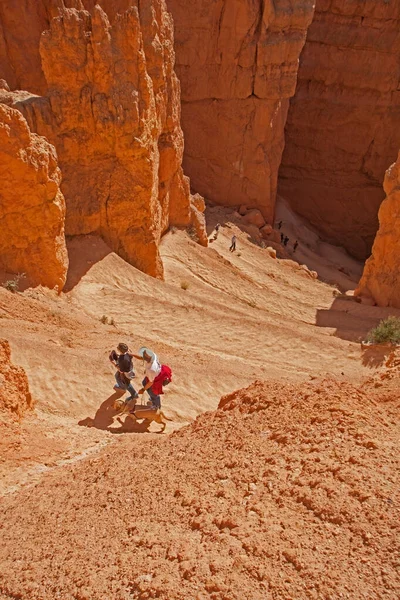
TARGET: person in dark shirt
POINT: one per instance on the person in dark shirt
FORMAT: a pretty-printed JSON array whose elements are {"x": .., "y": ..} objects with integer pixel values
[
  {"x": 280, "y": 224},
  {"x": 286, "y": 241},
  {"x": 122, "y": 360},
  {"x": 295, "y": 246}
]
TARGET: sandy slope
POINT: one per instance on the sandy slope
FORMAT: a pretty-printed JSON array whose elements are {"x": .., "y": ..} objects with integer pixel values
[
  {"x": 243, "y": 316},
  {"x": 289, "y": 491}
]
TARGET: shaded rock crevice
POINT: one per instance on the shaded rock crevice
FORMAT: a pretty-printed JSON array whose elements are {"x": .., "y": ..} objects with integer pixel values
[{"x": 343, "y": 123}]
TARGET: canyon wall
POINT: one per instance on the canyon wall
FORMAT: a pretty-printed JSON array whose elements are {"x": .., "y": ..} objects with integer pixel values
[
  {"x": 15, "y": 397},
  {"x": 112, "y": 110},
  {"x": 343, "y": 125},
  {"x": 237, "y": 62},
  {"x": 381, "y": 277},
  {"x": 32, "y": 207}
]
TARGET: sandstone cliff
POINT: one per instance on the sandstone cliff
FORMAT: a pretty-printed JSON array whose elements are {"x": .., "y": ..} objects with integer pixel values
[
  {"x": 343, "y": 125},
  {"x": 32, "y": 207},
  {"x": 112, "y": 111},
  {"x": 381, "y": 276},
  {"x": 14, "y": 388},
  {"x": 237, "y": 63}
]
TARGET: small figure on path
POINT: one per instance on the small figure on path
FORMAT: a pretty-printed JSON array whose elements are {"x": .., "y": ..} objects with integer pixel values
[
  {"x": 218, "y": 225},
  {"x": 280, "y": 224},
  {"x": 295, "y": 246},
  {"x": 233, "y": 244},
  {"x": 286, "y": 241},
  {"x": 282, "y": 237}
]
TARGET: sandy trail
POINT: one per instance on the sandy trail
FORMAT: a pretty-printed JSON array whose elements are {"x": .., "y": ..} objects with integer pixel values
[{"x": 242, "y": 316}]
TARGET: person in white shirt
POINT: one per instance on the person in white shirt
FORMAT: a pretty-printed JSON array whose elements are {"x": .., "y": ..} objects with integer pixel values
[{"x": 152, "y": 370}]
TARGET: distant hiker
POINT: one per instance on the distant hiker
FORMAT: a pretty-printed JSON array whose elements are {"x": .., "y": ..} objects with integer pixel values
[
  {"x": 125, "y": 373},
  {"x": 295, "y": 246},
  {"x": 285, "y": 241},
  {"x": 218, "y": 225},
  {"x": 233, "y": 244},
  {"x": 280, "y": 224},
  {"x": 282, "y": 237},
  {"x": 156, "y": 375}
]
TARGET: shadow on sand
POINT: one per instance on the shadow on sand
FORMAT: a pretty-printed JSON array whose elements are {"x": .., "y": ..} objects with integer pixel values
[
  {"x": 84, "y": 251},
  {"x": 353, "y": 321},
  {"x": 105, "y": 415}
]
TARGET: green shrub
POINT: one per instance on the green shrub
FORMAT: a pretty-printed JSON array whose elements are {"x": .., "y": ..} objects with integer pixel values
[
  {"x": 388, "y": 330},
  {"x": 12, "y": 285},
  {"x": 184, "y": 285}
]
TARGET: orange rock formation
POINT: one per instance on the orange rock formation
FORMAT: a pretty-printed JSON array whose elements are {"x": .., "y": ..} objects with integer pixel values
[
  {"x": 343, "y": 123},
  {"x": 14, "y": 388},
  {"x": 113, "y": 112},
  {"x": 381, "y": 276},
  {"x": 32, "y": 207},
  {"x": 238, "y": 68}
]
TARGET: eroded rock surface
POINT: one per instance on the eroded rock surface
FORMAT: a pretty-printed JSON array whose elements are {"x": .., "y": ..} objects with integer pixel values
[
  {"x": 237, "y": 63},
  {"x": 381, "y": 276},
  {"x": 113, "y": 112},
  {"x": 32, "y": 207},
  {"x": 15, "y": 396},
  {"x": 343, "y": 125}
]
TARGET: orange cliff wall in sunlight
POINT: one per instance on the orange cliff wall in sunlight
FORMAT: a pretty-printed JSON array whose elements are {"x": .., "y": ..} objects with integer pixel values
[
  {"x": 15, "y": 396},
  {"x": 237, "y": 63},
  {"x": 112, "y": 110},
  {"x": 20, "y": 32},
  {"x": 381, "y": 277},
  {"x": 32, "y": 207},
  {"x": 343, "y": 127}
]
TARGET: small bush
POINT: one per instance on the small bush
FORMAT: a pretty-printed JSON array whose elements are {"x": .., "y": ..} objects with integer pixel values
[
  {"x": 184, "y": 285},
  {"x": 388, "y": 330},
  {"x": 104, "y": 319},
  {"x": 239, "y": 254},
  {"x": 173, "y": 229},
  {"x": 12, "y": 285}
]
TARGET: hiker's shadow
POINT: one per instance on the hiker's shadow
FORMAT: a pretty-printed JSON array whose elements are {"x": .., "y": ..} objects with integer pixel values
[
  {"x": 105, "y": 414},
  {"x": 375, "y": 356}
]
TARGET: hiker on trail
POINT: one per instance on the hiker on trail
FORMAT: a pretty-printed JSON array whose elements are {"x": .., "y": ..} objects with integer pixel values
[
  {"x": 218, "y": 225},
  {"x": 280, "y": 224},
  {"x": 233, "y": 244},
  {"x": 282, "y": 237},
  {"x": 122, "y": 360},
  {"x": 285, "y": 241},
  {"x": 156, "y": 375},
  {"x": 295, "y": 246}
]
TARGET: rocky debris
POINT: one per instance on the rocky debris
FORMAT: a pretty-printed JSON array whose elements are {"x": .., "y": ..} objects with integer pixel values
[
  {"x": 286, "y": 491},
  {"x": 380, "y": 282},
  {"x": 307, "y": 271},
  {"x": 268, "y": 233},
  {"x": 238, "y": 68},
  {"x": 32, "y": 207},
  {"x": 112, "y": 111},
  {"x": 254, "y": 217},
  {"x": 271, "y": 252},
  {"x": 15, "y": 397},
  {"x": 343, "y": 126}
]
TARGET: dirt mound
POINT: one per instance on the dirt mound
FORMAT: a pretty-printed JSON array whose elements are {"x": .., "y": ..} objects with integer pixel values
[
  {"x": 15, "y": 396},
  {"x": 287, "y": 491}
]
